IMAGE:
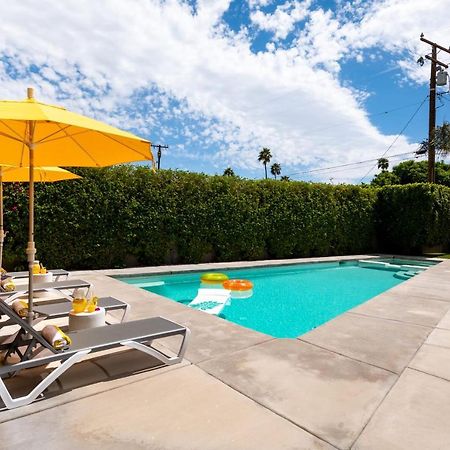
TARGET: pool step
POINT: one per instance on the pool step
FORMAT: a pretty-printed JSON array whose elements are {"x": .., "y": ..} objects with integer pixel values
[
  {"x": 378, "y": 265},
  {"x": 382, "y": 265},
  {"x": 404, "y": 275},
  {"x": 414, "y": 268},
  {"x": 149, "y": 284}
]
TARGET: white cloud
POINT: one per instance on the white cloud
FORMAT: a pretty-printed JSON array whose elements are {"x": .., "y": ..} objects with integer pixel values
[
  {"x": 391, "y": 25},
  {"x": 282, "y": 21},
  {"x": 258, "y": 3},
  {"x": 126, "y": 62}
]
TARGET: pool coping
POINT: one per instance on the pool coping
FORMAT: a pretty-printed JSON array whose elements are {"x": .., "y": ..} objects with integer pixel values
[
  {"x": 180, "y": 268},
  {"x": 241, "y": 359}
]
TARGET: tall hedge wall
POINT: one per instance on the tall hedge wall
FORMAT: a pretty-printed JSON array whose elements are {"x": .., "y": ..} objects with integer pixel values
[
  {"x": 413, "y": 216},
  {"x": 128, "y": 215}
]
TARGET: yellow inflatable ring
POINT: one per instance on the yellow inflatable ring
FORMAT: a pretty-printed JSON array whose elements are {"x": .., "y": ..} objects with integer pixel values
[
  {"x": 213, "y": 278},
  {"x": 238, "y": 285}
]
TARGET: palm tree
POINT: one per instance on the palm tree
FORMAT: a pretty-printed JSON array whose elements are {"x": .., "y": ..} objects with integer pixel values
[
  {"x": 443, "y": 134},
  {"x": 264, "y": 157},
  {"x": 383, "y": 164},
  {"x": 285, "y": 178},
  {"x": 228, "y": 172},
  {"x": 441, "y": 140},
  {"x": 275, "y": 170}
]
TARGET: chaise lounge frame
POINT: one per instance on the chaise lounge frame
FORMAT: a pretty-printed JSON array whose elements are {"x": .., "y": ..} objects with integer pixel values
[{"x": 137, "y": 334}]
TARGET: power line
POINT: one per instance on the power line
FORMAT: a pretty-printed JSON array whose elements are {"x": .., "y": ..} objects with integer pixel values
[
  {"x": 398, "y": 135},
  {"x": 349, "y": 169},
  {"x": 363, "y": 164},
  {"x": 346, "y": 165},
  {"x": 347, "y": 172},
  {"x": 374, "y": 159}
]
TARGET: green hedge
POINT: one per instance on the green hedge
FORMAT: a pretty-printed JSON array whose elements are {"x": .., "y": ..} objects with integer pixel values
[
  {"x": 413, "y": 216},
  {"x": 128, "y": 215}
]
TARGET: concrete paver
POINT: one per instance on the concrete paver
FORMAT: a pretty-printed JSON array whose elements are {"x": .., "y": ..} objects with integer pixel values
[
  {"x": 445, "y": 322},
  {"x": 433, "y": 360},
  {"x": 327, "y": 394},
  {"x": 184, "y": 408},
  {"x": 87, "y": 378},
  {"x": 384, "y": 343},
  {"x": 425, "y": 290},
  {"x": 213, "y": 337},
  {"x": 414, "y": 416},
  {"x": 439, "y": 337},
  {"x": 409, "y": 309}
]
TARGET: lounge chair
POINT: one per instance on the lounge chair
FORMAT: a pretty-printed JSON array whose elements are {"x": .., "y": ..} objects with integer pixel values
[
  {"x": 54, "y": 286},
  {"x": 211, "y": 301},
  {"x": 57, "y": 273},
  {"x": 137, "y": 334}
]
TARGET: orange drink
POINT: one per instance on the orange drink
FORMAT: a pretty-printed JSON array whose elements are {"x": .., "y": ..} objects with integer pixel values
[
  {"x": 79, "y": 305},
  {"x": 92, "y": 304}
]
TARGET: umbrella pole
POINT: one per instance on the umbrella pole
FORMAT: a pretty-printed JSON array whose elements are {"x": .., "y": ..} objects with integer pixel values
[
  {"x": 31, "y": 250},
  {"x": 2, "y": 232}
]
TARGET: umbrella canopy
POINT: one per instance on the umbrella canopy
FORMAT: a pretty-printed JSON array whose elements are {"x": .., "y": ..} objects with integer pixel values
[
  {"x": 34, "y": 133},
  {"x": 22, "y": 174},
  {"x": 10, "y": 174},
  {"x": 63, "y": 138}
]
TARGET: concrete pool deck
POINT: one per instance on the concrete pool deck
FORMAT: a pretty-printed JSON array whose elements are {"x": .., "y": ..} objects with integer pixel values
[{"x": 375, "y": 377}]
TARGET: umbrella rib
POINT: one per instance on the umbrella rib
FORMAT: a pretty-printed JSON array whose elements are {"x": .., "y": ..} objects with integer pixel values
[
  {"x": 52, "y": 134},
  {"x": 125, "y": 145},
  {"x": 78, "y": 144},
  {"x": 22, "y": 140},
  {"x": 22, "y": 152},
  {"x": 11, "y": 129},
  {"x": 63, "y": 137},
  {"x": 10, "y": 137}
]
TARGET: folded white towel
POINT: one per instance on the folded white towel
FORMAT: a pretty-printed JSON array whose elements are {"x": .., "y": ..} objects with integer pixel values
[
  {"x": 21, "y": 308},
  {"x": 56, "y": 337},
  {"x": 7, "y": 284}
]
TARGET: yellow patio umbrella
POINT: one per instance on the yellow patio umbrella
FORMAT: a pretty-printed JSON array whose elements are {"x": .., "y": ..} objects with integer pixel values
[
  {"x": 9, "y": 174},
  {"x": 38, "y": 134}
]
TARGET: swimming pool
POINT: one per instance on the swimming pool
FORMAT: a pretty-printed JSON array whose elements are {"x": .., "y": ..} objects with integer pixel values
[{"x": 288, "y": 301}]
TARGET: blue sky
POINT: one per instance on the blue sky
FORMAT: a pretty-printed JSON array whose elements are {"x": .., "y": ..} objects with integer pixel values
[{"x": 217, "y": 80}]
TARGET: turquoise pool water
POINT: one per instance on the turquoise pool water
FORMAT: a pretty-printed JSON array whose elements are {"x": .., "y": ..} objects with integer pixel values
[{"x": 287, "y": 301}]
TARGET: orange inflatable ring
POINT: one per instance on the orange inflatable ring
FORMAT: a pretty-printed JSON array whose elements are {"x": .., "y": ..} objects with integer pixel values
[{"x": 238, "y": 285}]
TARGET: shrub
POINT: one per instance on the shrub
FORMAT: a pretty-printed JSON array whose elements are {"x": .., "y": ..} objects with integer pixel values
[
  {"x": 128, "y": 215},
  {"x": 412, "y": 216}
]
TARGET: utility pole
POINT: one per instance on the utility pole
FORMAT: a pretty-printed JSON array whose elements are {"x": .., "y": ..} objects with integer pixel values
[
  {"x": 159, "y": 147},
  {"x": 432, "y": 112}
]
